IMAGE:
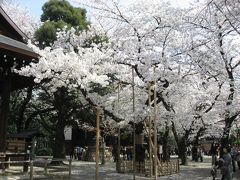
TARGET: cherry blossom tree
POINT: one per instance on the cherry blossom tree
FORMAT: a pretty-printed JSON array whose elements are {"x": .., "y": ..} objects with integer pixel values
[
  {"x": 217, "y": 28},
  {"x": 147, "y": 35},
  {"x": 21, "y": 17},
  {"x": 192, "y": 60}
]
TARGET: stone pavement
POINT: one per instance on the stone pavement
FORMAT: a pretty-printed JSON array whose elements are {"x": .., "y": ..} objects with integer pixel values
[{"x": 86, "y": 171}]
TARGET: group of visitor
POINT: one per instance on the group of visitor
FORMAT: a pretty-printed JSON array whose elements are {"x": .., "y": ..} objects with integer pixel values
[
  {"x": 227, "y": 160},
  {"x": 197, "y": 153},
  {"x": 125, "y": 153},
  {"x": 79, "y": 153}
]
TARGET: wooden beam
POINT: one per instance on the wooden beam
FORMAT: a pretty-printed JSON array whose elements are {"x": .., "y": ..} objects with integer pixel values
[{"x": 5, "y": 88}]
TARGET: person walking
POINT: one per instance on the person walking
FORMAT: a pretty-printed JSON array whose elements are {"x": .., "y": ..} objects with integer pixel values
[
  {"x": 194, "y": 153},
  {"x": 226, "y": 169},
  {"x": 238, "y": 157},
  {"x": 200, "y": 153},
  {"x": 214, "y": 152},
  {"x": 233, "y": 153},
  {"x": 129, "y": 153}
]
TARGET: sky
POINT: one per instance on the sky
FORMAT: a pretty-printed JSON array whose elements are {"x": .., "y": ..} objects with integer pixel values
[{"x": 34, "y": 6}]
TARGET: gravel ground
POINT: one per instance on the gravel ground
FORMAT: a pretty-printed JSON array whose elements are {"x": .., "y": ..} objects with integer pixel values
[{"x": 86, "y": 171}]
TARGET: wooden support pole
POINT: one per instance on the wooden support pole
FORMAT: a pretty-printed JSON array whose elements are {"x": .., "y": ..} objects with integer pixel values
[
  {"x": 97, "y": 144},
  {"x": 103, "y": 150},
  {"x": 70, "y": 167},
  {"x": 31, "y": 169},
  {"x": 45, "y": 167},
  {"x": 118, "y": 165},
  {"x": 118, "y": 152},
  {"x": 155, "y": 126},
  {"x": 151, "y": 143},
  {"x": 149, "y": 130},
  {"x": 134, "y": 127}
]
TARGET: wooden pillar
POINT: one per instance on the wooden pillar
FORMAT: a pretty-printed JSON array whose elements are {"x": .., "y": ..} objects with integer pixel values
[
  {"x": 103, "y": 150},
  {"x": 45, "y": 166},
  {"x": 97, "y": 144},
  {"x": 134, "y": 127},
  {"x": 118, "y": 151},
  {"x": 31, "y": 170},
  {"x": 70, "y": 167},
  {"x": 5, "y": 88},
  {"x": 149, "y": 130},
  {"x": 103, "y": 143},
  {"x": 155, "y": 127},
  {"x": 118, "y": 164}
]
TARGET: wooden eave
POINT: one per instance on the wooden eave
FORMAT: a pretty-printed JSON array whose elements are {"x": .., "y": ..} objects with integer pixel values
[
  {"x": 12, "y": 45},
  {"x": 13, "y": 31}
]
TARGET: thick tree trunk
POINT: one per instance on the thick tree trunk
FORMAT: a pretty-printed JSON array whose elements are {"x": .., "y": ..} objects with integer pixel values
[
  {"x": 199, "y": 134},
  {"x": 59, "y": 143},
  {"x": 182, "y": 151},
  {"x": 181, "y": 143},
  {"x": 166, "y": 147},
  {"x": 228, "y": 117},
  {"x": 226, "y": 133},
  {"x": 230, "y": 71}
]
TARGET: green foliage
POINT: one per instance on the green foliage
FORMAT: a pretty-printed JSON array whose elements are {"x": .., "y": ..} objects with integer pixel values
[
  {"x": 56, "y": 15},
  {"x": 19, "y": 110},
  {"x": 70, "y": 105},
  {"x": 44, "y": 152},
  {"x": 12, "y": 128},
  {"x": 234, "y": 137},
  {"x": 237, "y": 142},
  {"x": 56, "y": 10},
  {"x": 47, "y": 32}
]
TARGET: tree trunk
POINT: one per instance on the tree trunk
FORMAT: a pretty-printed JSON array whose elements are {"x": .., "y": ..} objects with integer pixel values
[
  {"x": 228, "y": 117},
  {"x": 166, "y": 147},
  {"x": 20, "y": 120},
  {"x": 181, "y": 143},
  {"x": 182, "y": 151},
  {"x": 225, "y": 137},
  {"x": 199, "y": 134},
  {"x": 59, "y": 143}
]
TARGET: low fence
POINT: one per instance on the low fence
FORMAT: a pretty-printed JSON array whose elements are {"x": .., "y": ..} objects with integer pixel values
[
  {"x": 167, "y": 168},
  {"x": 7, "y": 164},
  {"x": 24, "y": 158},
  {"x": 164, "y": 168},
  {"x": 45, "y": 167}
]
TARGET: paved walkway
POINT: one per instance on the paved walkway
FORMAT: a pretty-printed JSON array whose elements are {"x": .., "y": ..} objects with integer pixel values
[{"x": 86, "y": 171}]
